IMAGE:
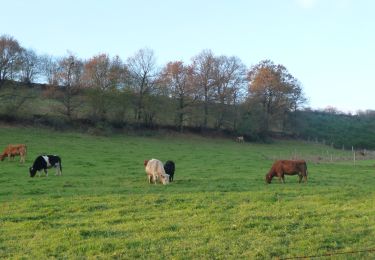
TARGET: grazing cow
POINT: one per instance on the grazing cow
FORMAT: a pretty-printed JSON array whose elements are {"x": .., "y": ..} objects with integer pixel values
[
  {"x": 169, "y": 168},
  {"x": 240, "y": 139},
  {"x": 155, "y": 170},
  {"x": 44, "y": 162},
  {"x": 288, "y": 167},
  {"x": 14, "y": 149}
]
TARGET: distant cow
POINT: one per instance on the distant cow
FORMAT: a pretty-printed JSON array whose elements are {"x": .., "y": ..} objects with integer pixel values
[
  {"x": 14, "y": 149},
  {"x": 155, "y": 170},
  {"x": 169, "y": 168},
  {"x": 44, "y": 162},
  {"x": 240, "y": 139},
  {"x": 288, "y": 167}
]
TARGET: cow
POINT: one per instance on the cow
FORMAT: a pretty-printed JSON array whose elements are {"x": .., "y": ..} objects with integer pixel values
[
  {"x": 169, "y": 168},
  {"x": 155, "y": 170},
  {"x": 14, "y": 149},
  {"x": 44, "y": 162},
  {"x": 288, "y": 167},
  {"x": 240, "y": 139}
]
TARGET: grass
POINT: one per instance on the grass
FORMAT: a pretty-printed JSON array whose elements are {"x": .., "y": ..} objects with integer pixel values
[{"x": 218, "y": 207}]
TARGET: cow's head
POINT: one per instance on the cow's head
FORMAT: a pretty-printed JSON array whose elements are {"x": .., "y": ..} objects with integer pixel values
[
  {"x": 164, "y": 178},
  {"x": 32, "y": 171},
  {"x": 268, "y": 178}
]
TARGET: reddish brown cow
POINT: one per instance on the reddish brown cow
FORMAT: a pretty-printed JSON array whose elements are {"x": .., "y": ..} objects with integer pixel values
[
  {"x": 288, "y": 167},
  {"x": 14, "y": 149}
]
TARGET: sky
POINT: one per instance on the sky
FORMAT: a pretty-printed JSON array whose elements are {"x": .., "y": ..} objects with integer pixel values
[{"x": 328, "y": 45}]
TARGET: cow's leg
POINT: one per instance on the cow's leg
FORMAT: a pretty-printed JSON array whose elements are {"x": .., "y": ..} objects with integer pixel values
[
  {"x": 300, "y": 178},
  {"x": 281, "y": 176},
  {"x": 151, "y": 179},
  {"x": 154, "y": 176},
  {"x": 278, "y": 176},
  {"x": 45, "y": 171}
]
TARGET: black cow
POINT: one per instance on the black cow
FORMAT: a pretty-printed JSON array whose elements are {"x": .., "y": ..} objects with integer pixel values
[
  {"x": 44, "y": 162},
  {"x": 169, "y": 168}
]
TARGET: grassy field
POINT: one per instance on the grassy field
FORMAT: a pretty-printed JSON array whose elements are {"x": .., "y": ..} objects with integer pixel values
[{"x": 219, "y": 206}]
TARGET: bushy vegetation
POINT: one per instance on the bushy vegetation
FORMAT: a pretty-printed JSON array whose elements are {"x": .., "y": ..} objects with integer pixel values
[
  {"x": 218, "y": 207},
  {"x": 339, "y": 130}
]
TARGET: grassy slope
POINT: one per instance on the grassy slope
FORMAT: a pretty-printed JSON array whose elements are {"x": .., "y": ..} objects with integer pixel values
[{"x": 218, "y": 207}]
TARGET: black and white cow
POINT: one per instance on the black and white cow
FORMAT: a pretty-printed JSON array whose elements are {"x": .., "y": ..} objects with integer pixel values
[
  {"x": 44, "y": 162},
  {"x": 169, "y": 168}
]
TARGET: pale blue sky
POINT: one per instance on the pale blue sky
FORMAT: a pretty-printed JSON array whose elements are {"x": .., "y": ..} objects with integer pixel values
[{"x": 329, "y": 45}]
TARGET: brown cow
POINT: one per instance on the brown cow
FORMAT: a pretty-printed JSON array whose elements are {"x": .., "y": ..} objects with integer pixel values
[
  {"x": 288, "y": 167},
  {"x": 14, "y": 149}
]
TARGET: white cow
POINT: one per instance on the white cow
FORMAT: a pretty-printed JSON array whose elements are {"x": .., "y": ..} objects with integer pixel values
[
  {"x": 240, "y": 139},
  {"x": 155, "y": 170}
]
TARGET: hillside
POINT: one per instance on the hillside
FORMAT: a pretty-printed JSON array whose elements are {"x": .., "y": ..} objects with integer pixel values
[
  {"x": 40, "y": 105},
  {"x": 339, "y": 130}
]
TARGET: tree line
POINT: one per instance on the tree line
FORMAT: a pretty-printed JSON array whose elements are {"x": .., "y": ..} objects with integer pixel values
[{"x": 210, "y": 92}]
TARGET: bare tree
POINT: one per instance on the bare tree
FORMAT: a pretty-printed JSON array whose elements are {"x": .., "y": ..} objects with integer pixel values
[
  {"x": 69, "y": 79},
  {"x": 230, "y": 78},
  {"x": 178, "y": 79},
  {"x": 204, "y": 79},
  {"x": 30, "y": 66},
  {"x": 142, "y": 73},
  {"x": 10, "y": 53},
  {"x": 49, "y": 69}
]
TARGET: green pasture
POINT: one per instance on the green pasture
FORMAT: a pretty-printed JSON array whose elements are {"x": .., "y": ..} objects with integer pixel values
[{"x": 219, "y": 206}]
